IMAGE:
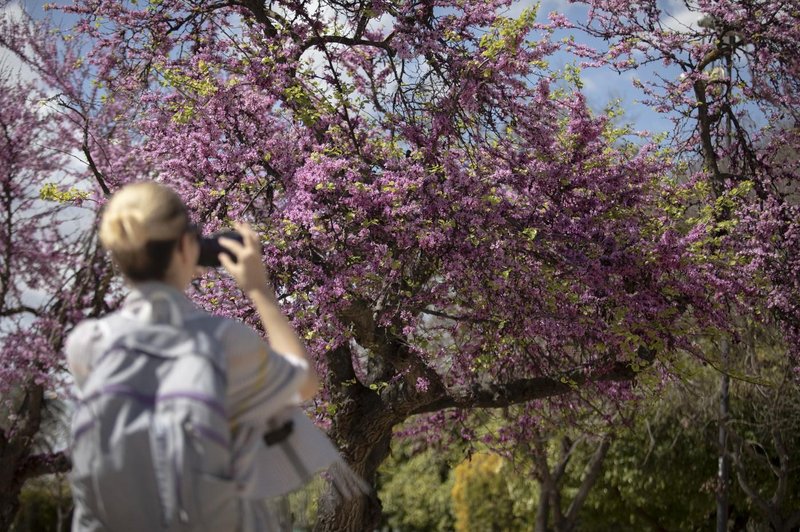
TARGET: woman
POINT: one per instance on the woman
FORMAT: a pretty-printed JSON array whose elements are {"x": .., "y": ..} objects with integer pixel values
[{"x": 146, "y": 228}]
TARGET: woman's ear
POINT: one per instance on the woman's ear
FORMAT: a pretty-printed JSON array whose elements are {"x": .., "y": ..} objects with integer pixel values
[
  {"x": 191, "y": 245},
  {"x": 184, "y": 258},
  {"x": 183, "y": 248},
  {"x": 187, "y": 245}
]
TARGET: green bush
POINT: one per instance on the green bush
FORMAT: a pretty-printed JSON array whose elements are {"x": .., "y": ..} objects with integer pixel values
[
  {"x": 488, "y": 494},
  {"x": 415, "y": 492},
  {"x": 45, "y": 506}
]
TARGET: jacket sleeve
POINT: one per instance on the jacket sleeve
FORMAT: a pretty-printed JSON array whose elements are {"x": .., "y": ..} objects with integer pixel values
[{"x": 261, "y": 382}]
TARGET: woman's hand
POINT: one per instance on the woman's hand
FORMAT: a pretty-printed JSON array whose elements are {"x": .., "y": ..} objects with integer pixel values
[
  {"x": 251, "y": 276},
  {"x": 248, "y": 270}
]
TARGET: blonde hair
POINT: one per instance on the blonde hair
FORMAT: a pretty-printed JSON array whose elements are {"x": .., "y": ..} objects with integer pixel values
[{"x": 140, "y": 225}]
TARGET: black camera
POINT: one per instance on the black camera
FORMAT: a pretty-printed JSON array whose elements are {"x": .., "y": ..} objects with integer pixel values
[{"x": 210, "y": 248}]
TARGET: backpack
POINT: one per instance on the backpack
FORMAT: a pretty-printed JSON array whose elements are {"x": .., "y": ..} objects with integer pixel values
[{"x": 151, "y": 444}]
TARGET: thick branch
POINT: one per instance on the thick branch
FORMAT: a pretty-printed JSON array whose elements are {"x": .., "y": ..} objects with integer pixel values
[
  {"x": 542, "y": 512},
  {"x": 468, "y": 319},
  {"x": 704, "y": 123},
  {"x": 256, "y": 7},
  {"x": 44, "y": 464},
  {"x": 548, "y": 484},
  {"x": 502, "y": 394},
  {"x": 98, "y": 175},
  {"x": 385, "y": 346},
  {"x": 321, "y": 40},
  {"x": 710, "y": 57},
  {"x": 31, "y": 412},
  {"x": 567, "y": 450},
  {"x": 19, "y": 310}
]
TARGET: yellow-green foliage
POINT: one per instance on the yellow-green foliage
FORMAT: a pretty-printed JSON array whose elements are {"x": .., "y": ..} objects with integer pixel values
[
  {"x": 489, "y": 495},
  {"x": 507, "y": 34},
  {"x": 415, "y": 493},
  {"x": 200, "y": 86},
  {"x": 51, "y": 192}
]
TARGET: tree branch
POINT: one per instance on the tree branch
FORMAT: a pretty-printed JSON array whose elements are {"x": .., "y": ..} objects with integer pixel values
[
  {"x": 592, "y": 471},
  {"x": 707, "y": 145},
  {"x": 385, "y": 346},
  {"x": 751, "y": 493},
  {"x": 547, "y": 484},
  {"x": 502, "y": 394},
  {"x": 19, "y": 310},
  {"x": 269, "y": 182},
  {"x": 567, "y": 449},
  {"x": 321, "y": 40},
  {"x": 457, "y": 318},
  {"x": 98, "y": 175},
  {"x": 783, "y": 470},
  {"x": 44, "y": 464},
  {"x": 256, "y": 7}
]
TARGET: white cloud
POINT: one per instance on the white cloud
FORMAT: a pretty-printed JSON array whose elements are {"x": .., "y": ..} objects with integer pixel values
[
  {"x": 8, "y": 60},
  {"x": 678, "y": 17}
]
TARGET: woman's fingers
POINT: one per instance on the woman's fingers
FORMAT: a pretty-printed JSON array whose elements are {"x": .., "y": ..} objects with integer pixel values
[
  {"x": 250, "y": 240},
  {"x": 234, "y": 246},
  {"x": 226, "y": 262},
  {"x": 248, "y": 268},
  {"x": 248, "y": 235}
]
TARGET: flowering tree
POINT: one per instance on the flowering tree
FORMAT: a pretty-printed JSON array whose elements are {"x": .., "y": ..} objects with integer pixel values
[
  {"x": 51, "y": 271},
  {"x": 446, "y": 221},
  {"x": 34, "y": 252},
  {"x": 735, "y": 104}
]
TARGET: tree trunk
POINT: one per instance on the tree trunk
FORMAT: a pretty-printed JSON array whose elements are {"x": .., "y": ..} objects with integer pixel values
[
  {"x": 17, "y": 465},
  {"x": 364, "y": 448},
  {"x": 542, "y": 509},
  {"x": 9, "y": 491},
  {"x": 360, "y": 514},
  {"x": 592, "y": 471},
  {"x": 362, "y": 429},
  {"x": 723, "y": 470},
  {"x": 15, "y": 448}
]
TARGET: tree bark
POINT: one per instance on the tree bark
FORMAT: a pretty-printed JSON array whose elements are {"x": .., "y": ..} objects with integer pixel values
[
  {"x": 772, "y": 508},
  {"x": 592, "y": 472},
  {"x": 15, "y": 449},
  {"x": 10, "y": 485},
  {"x": 362, "y": 429},
  {"x": 364, "y": 436}
]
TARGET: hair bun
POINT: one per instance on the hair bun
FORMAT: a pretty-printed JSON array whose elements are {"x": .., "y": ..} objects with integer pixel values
[
  {"x": 137, "y": 214},
  {"x": 123, "y": 231}
]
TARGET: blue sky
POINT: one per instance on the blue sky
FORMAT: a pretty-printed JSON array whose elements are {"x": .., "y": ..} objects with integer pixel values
[{"x": 601, "y": 86}]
